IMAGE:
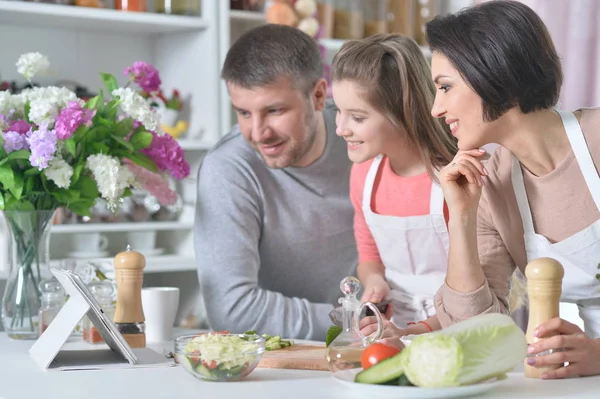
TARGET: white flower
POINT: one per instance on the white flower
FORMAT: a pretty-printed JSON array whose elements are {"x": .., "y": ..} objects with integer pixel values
[
  {"x": 111, "y": 177},
  {"x": 29, "y": 64},
  {"x": 60, "y": 172},
  {"x": 136, "y": 107},
  {"x": 43, "y": 112},
  {"x": 11, "y": 102},
  {"x": 45, "y": 102}
]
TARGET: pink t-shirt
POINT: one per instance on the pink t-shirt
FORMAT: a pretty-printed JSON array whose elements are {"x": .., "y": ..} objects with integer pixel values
[{"x": 392, "y": 195}]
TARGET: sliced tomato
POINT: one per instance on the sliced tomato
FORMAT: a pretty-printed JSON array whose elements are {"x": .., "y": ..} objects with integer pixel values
[
  {"x": 211, "y": 365},
  {"x": 375, "y": 353}
]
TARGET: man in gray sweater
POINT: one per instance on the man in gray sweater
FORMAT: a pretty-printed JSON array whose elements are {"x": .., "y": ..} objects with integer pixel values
[{"x": 273, "y": 229}]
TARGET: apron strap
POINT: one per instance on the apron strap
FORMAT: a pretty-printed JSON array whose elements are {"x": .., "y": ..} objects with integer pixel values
[
  {"x": 436, "y": 202},
  {"x": 369, "y": 183},
  {"x": 521, "y": 195},
  {"x": 582, "y": 154}
]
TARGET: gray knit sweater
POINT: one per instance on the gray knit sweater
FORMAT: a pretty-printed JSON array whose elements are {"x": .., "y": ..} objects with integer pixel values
[{"x": 272, "y": 245}]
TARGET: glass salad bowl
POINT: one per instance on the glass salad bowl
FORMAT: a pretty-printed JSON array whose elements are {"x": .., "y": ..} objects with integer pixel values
[{"x": 219, "y": 357}]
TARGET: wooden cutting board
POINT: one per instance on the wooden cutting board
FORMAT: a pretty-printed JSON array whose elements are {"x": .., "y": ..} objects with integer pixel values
[{"x": 297, "y": 357}]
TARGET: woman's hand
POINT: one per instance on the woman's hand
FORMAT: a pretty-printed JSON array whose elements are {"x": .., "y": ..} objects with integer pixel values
[
  {"x": 391, "y": 333},
  {"x": 462, "y": 180},
  {"x": 376, "y": 289},
  {"x": 580, "y": 351}
]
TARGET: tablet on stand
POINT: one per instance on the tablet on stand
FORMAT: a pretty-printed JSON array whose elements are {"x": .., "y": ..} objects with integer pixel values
[{"x": 47, "y": 350}]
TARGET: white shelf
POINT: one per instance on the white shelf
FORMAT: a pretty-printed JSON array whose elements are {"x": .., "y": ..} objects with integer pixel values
[
  {"x": 335, "y": 44},
  {"x": 256, "y": 16},
  {"x": 73, "y": 17},
  {"x": 120, "y": 227},
  {"x": 154, "y": 264}
]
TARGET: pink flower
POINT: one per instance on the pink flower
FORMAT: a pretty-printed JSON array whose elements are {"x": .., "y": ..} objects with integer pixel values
[
  {"x": 70, "y": 118},
  {"x": 168, "y": 156},
  {"x": 20, "y": 126},
  {"x": 145, "y": 75},
  {"x": 154, "y": 184}
]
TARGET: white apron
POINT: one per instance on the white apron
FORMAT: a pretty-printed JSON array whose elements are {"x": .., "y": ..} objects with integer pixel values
[
  {"x": 580, "y": 253},
  {"x": 414, "y": 251}
]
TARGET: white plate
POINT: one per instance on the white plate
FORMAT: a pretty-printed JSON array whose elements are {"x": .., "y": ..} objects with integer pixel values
[
  {"x": 87, "y": 254},
  {"x": 346, "y": 377}
]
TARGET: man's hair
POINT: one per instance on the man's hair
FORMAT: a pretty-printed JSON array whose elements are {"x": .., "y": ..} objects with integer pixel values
[
  {"x": 268, "y": 52},
  {"x": 503, "y": 50}
]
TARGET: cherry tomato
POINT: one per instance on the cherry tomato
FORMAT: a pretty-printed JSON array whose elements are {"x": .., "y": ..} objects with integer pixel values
[{"x": 375, "y": 353}]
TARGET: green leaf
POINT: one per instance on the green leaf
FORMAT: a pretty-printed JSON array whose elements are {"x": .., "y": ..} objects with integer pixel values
[
  {"x": 81, "y": 208},
  {"x": 17, "y": 189},
  {"x": 123, "y": 142},
  {"x": 141, "y": 140},
  {"x": 99, "y": 148},
  {"x": 143, "y": 160},
  {"x": 87, "y": 188},
  {"x": 29, "y": 184},
  {"x": 7, "y": 177},
  {"x": 32, "y": 172},
  {"x": 20, "y": 154},
  {"x": 1, "y": 202},
  {"x": 124, "y": 127},
  {"x": 23, "y": 205},
  {"x": 109, "y": 81},
  {"x": 79, "y": 133},
  {"x": 93, "y": 102},
  {"x": 66, "y": 196},
  {"x": 27, "y": 109},
  {"x": 111, "y": 110},
  {"x": 71, "y": 146},
  {"x": 77, "y": 172},
  {"x": 103, "y": 121}
]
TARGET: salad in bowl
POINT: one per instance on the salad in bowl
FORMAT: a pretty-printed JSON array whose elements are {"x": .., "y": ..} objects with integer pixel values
[{"x": 219, "y": 356}]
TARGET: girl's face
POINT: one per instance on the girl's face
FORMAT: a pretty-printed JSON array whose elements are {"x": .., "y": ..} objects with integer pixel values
[
  {"x": 459, "y": 105},
  {"x": 367, "y": 131}
]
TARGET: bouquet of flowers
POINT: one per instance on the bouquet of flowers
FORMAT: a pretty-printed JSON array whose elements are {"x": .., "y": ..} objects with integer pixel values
[{"x": 59, "y": 151}]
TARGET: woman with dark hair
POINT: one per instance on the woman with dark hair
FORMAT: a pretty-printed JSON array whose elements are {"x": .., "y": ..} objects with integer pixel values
[{"x": 498, "y": 79}]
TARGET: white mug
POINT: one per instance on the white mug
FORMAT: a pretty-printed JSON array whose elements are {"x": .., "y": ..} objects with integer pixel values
[
  {"x": 160, "y": 306},
  {"x": 140, "y": 240},
  {"x": 90, "y": 242}
]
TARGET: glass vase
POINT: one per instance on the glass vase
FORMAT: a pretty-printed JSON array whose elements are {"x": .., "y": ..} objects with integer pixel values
[{"x": 29, "y": 263}]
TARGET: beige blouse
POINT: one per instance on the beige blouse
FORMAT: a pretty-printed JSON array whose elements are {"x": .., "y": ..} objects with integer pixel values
[{"x": 561, "y": 205}]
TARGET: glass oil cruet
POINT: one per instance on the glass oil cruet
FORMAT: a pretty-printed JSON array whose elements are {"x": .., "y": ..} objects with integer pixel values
[{"x": 345, "y": 350}]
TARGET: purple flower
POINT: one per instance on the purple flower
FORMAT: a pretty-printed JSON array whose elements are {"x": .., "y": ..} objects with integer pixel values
[
  {"x": 20, "y": 126},
  {"x": 70, "y": 118},
  {"x": 43, "y": 144},
  {"x": 14, "y": 141},
  {"x": 168, "y": 156},
  {"x": 145, "y": 75}
]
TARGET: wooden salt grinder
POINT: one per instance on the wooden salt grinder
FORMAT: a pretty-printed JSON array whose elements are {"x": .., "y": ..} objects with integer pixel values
[
  {"x": 544, "y": 287},
  {"x": 129, "y": 315}
]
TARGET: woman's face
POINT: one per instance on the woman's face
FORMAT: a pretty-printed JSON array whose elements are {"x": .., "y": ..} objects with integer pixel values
[{"x": 459, "y": 105}]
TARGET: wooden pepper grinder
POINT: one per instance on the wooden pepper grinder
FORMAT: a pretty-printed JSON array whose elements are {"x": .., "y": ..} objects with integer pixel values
[
  {"x": 129, "y": 315},
  {"x": 544, "y": 287}
]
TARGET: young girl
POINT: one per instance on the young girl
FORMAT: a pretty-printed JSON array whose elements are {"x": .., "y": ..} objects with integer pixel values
[{"x": 383, "y": 90}]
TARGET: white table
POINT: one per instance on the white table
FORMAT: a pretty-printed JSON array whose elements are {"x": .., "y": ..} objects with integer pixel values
[{"x": 21, "y": 378}]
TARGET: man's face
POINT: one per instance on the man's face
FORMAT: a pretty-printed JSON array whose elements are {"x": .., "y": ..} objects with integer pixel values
[{"x": 279, "y": 121}]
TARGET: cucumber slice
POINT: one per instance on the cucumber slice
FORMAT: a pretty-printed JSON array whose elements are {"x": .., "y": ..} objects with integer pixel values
[
  {"x": 201, "y": 369},
  {"x": 186, "y": 362},
  {"x": 383, "y": 372}
]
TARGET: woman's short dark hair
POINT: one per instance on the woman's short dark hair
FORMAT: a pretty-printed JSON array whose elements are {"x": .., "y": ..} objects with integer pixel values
[{"x": 503, "y": 50}]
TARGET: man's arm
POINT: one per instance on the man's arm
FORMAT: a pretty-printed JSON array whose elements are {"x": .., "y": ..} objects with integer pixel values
[{"x": 227, "y": 233}]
